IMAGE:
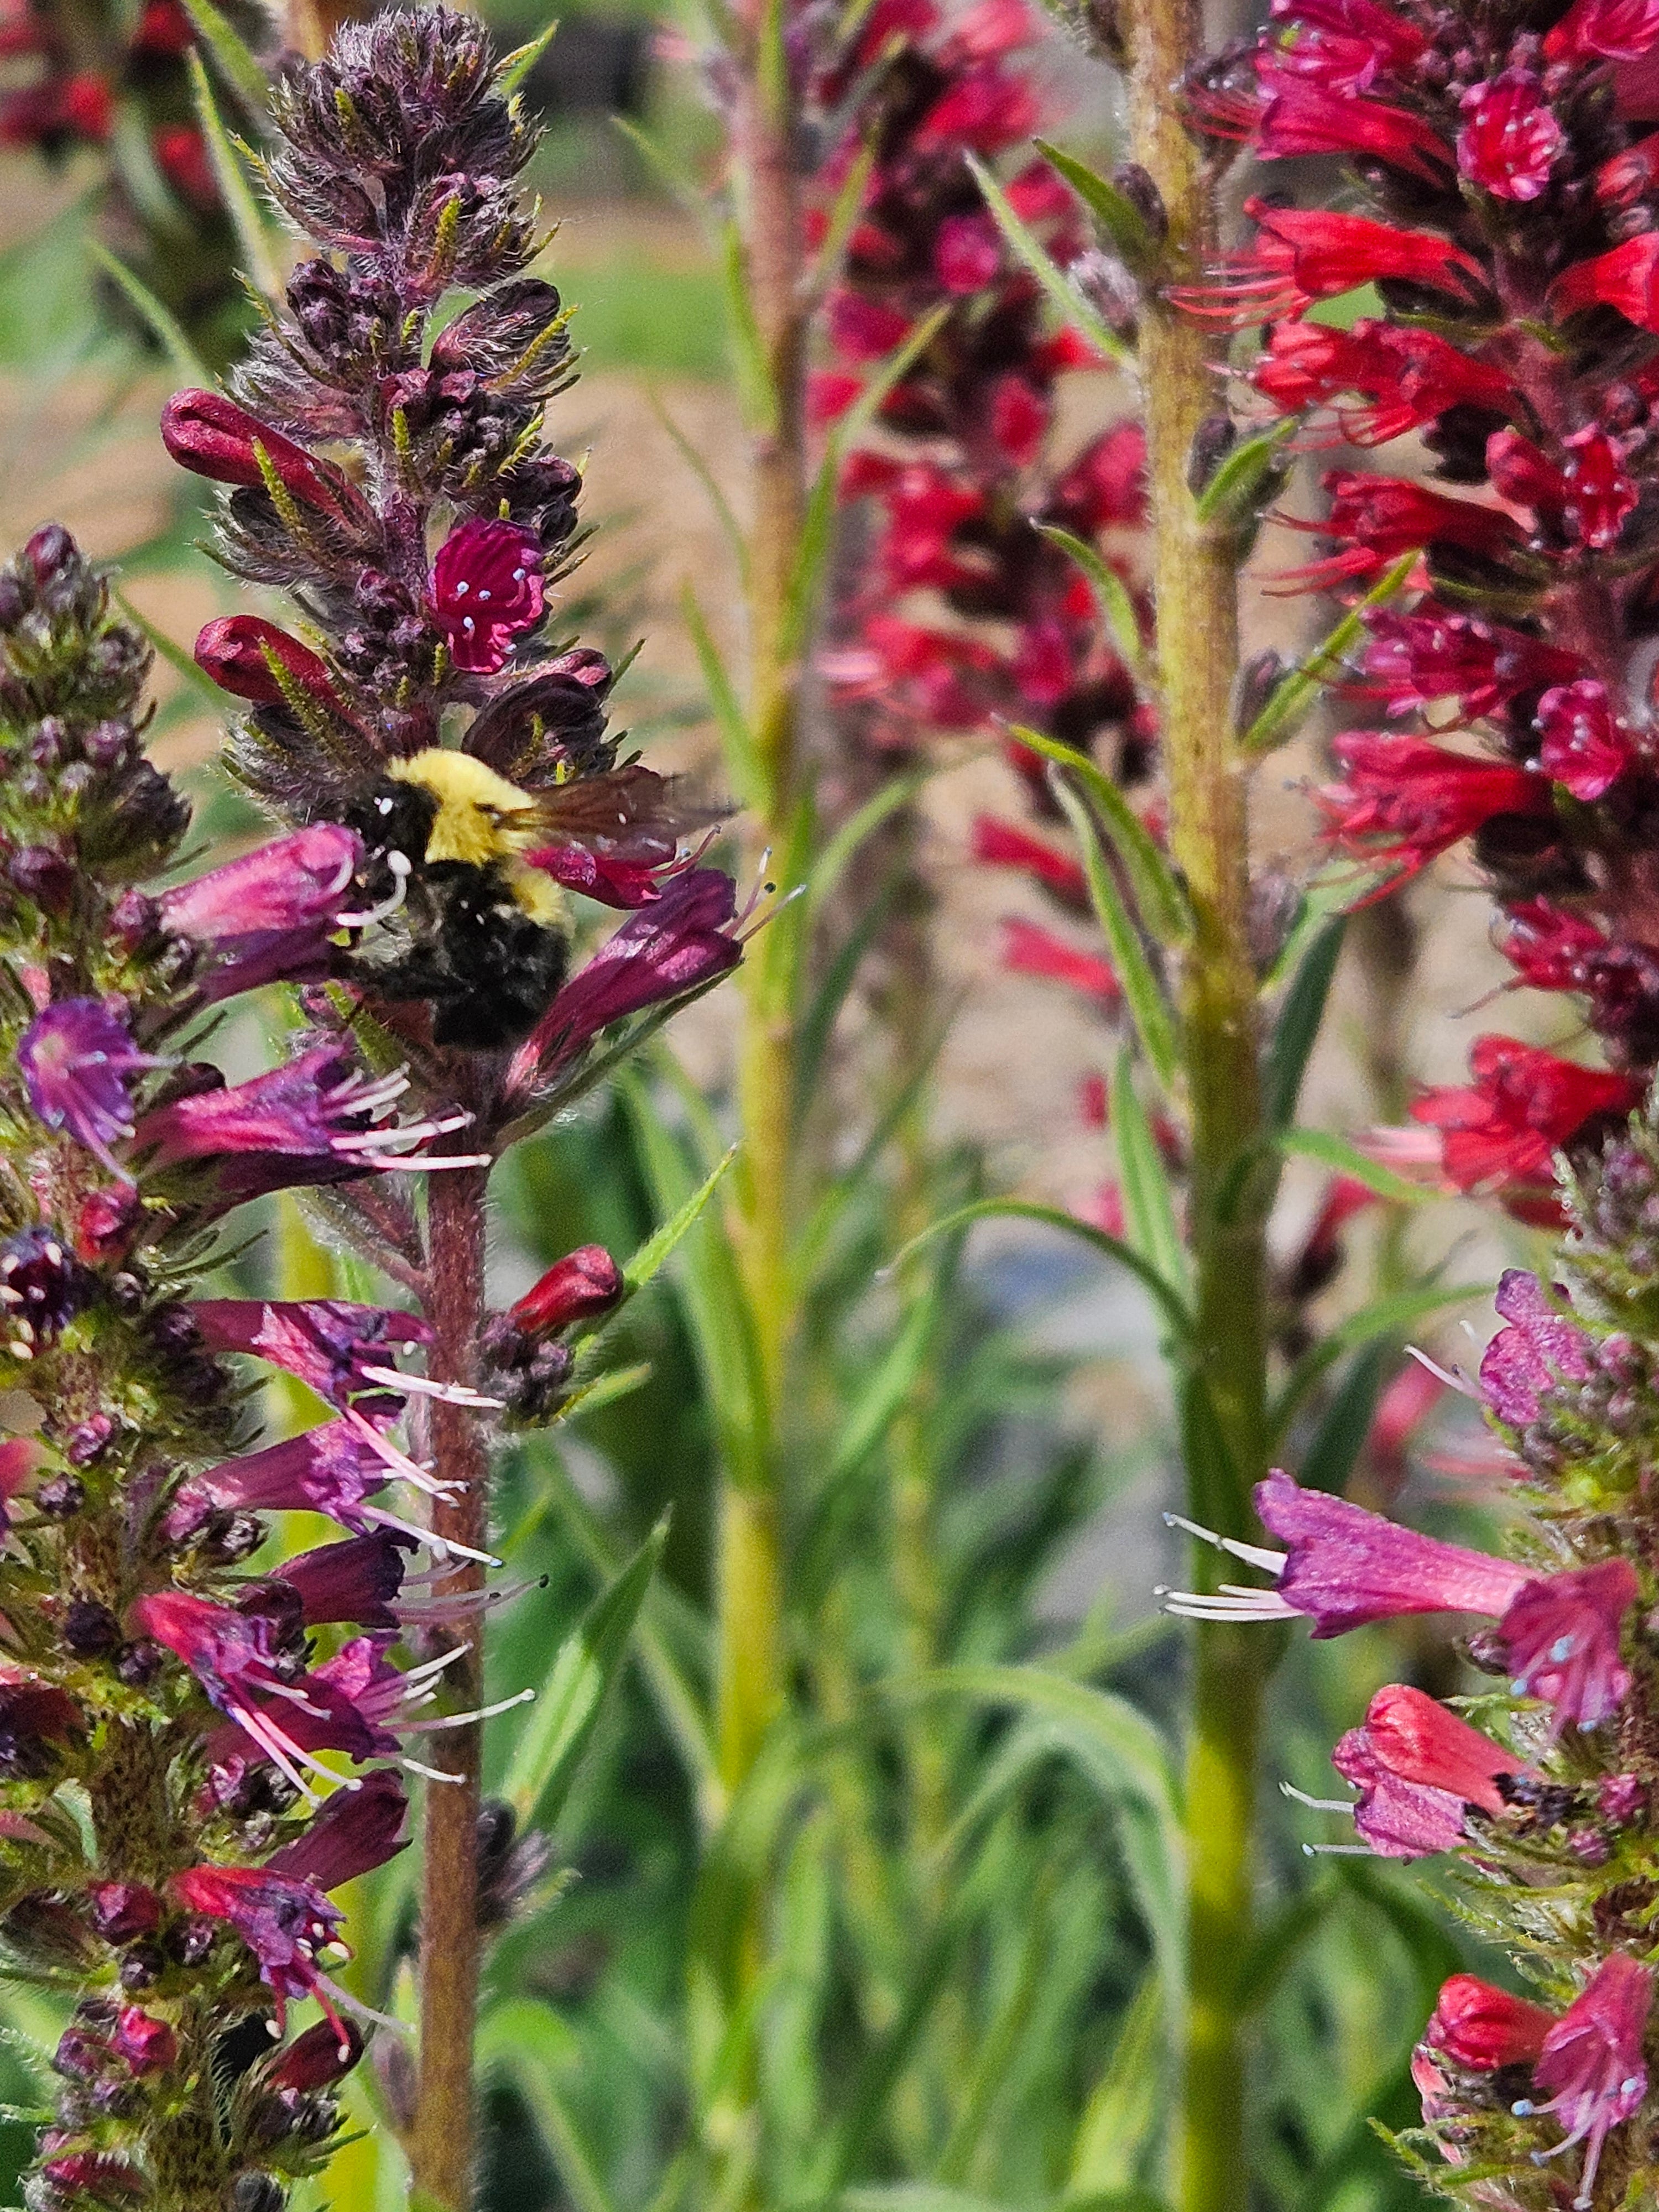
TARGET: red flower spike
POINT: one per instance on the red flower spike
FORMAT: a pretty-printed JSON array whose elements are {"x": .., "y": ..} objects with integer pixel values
[{"x": 1401, "y": 801}]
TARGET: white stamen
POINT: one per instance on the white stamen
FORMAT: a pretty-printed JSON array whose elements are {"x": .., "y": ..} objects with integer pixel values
[
  {"x": 1253, "y": 1555},
  {"x": 466, "y": 1720},
  {"x": 1453, "y": 1377},
  {"x": 399, "y": 864},
  {"x": 1316, "y": 1804},
  {"x": 451, "y": 1394}
]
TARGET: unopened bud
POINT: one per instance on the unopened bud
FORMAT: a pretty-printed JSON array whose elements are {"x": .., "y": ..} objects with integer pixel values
[
  {"x": 586, "y": 1282},
  {"x": 238, "y": 652},
  {"x": 1139, "y": 188},
  {"x": 216, "y": 439},
  {"x": 1214, "y": 440}
]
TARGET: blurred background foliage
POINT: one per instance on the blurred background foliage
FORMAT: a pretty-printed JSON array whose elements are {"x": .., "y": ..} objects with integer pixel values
[{"x": 964, "y": 1848}]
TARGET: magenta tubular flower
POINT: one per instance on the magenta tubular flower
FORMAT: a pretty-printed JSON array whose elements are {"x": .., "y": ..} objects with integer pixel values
[
  {"x": 287, "y": 1924},
  {"x": 1344, "y": 1567},
  {"x": 1592, "y": 2059},
  {"x": 76, "y": 1061},
  {"x": 318, "y": 1119},
  {"x": 1540, "y": 1349},
  {"x": 1401, "y": 801},
  {"x": 271, "y": 916},
  {"x": 486, "y": 592},
  {"x": 358, "y": 1580},
  {"x": 342, "y": 1352},
  {"x": 1418, "y": 1768},
  {"x": 677, "y": 944}
]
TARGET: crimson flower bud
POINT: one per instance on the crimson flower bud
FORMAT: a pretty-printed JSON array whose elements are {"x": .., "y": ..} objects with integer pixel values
[
  {"x": 219, "y": 439},
  {"x": 123, "y": 1911},
  {"x": 584, "y": 1283},
  {"x": 1483, "y": 2028},
  {"x": 317, "y": 2058},
  {"x": 237, "y": 651}
]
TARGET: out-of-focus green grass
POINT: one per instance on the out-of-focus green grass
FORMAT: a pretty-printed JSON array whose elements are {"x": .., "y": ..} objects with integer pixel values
[{"x": 635, "y": 312}]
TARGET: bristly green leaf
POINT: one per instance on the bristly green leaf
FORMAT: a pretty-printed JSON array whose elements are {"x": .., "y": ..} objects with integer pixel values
[
  {"x": 186, "y": 362},
  {"x": 1142, "y": 992},
  {"x": 562, "y": 1720},
  {"x": 755, "y": 385},
  {"x": 894, "y": 794},
  {"x": 517, "y": 65},
  {"x": 658, "y": 1246},
  {"x": 1296, "y": 1029},
  {"x": 1070, "y": 303},
  {"x": 1337, "y": 1153},
  {"x": 233, "y": 57},
  {"x": 1112, "y": 593},
  {"x": 1169, "y": 1299},
  {"x": 1148, "y": 1203},
  {"x": 1296, "y": 690},
  {"x": 742, "y": 757},
  {"x": 1159, "y": 897},
  {"x": 253, "y": 235},
  {"x": 1235, "y": 491},
  {"x": 1117, "y": 216}
]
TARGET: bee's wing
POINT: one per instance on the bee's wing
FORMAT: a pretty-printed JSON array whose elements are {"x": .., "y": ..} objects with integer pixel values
[{"x": 630, "y": 811}]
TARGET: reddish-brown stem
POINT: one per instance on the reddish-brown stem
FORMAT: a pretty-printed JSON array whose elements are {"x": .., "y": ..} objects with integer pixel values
[{"x": 442, "y": 2152}]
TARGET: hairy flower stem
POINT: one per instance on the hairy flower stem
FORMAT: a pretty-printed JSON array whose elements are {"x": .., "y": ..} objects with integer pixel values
[
  {"x": 1194, "y": 588},
  {"x": 750, "y": 1597},
  {"x": 443, "y": 2149}
]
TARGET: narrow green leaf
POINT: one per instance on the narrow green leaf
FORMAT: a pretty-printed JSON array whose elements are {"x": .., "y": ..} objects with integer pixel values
[
  {"x": 1120, "y": 2122},
  {"x": 895, "y": 793},
  {"x": 913, "y": 2197},
  {"x": 1296, "y": 691},
  {"x": 1296, "y": 1029},
  {"x": 605, "y": 1390},
  {"x": 891, "y": 369},
  {"x": 253, "y": 233},
  {"x": 182, "y": 663},
  {"x": 818, "y": 1022},
  {"x": 166, "y": 326},
  {"x": 1111, "y": 1248},
  {"x": 1117, "y": 216},
  {"x": 658, "y": 1246},
  {"x": 1142, "y": 992},
  {"x": 1113, "y": 594},
  {"x": 235, "y": 58},
  {"x": 1070, "y": 303},
  {"x": 524, "y": 2039},
  {"x": 1344, "y": 1158},
  {"x": 1333, "y": 1452},
  {"x": 1148, "y": 1202},
  {"x": 1391, "y": 1316},
  {"x": 755, "y": 385},
  {"x": 730, "y": 529},
  {"x": 562, "y": 1720},
  {"x": 871, "y": 1413},
  {"x": 743, "y": 761},
  {"x": 678, "y": 181},
  {"x": 517, "y": 65},
  {"x": 1158, "y": 896},
  {"x": 1234, "y": 492},
  {"x": 843, "y": 216}
]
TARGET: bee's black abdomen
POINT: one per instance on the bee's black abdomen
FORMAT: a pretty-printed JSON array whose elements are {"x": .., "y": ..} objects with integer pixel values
[{"x": 501, "y": 967}]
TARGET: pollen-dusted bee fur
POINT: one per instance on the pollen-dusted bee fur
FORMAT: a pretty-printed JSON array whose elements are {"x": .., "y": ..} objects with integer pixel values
[{"x": 470, "y": 923}]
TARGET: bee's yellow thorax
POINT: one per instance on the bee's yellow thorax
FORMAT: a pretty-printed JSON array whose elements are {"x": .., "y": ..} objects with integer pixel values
[{"x": 481, "y": 818}]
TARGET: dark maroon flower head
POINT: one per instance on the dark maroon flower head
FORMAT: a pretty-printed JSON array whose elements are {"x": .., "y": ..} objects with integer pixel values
[{"x": 356, "y": 1831}]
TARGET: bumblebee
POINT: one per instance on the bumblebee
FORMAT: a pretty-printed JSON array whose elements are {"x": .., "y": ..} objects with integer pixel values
[{"x": 463, "y": 920}]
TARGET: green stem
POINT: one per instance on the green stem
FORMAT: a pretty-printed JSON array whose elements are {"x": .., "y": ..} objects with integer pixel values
[
  {"x": 750, "y": 1592},
  {"x": 1195, "y": 589}
]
